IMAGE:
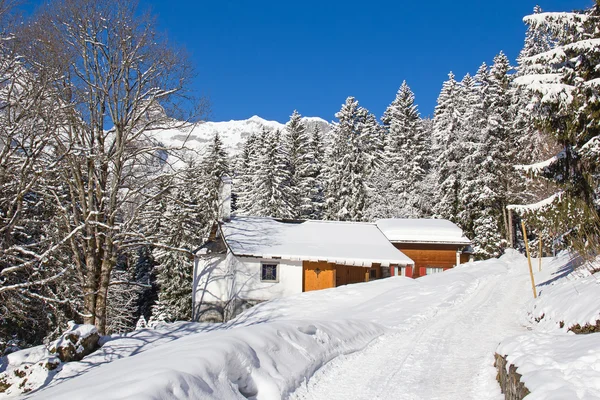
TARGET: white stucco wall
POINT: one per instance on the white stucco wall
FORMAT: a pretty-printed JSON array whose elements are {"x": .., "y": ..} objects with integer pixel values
[{"x": 222, "y": 278}]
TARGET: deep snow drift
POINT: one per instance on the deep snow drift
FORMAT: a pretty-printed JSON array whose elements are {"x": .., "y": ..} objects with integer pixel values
[{"x": 395, "y": 338}]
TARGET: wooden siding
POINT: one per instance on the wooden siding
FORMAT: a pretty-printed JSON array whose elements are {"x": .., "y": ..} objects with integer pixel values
[
  {"x": 429, "y": 255},
  {"x": 346, "y": 275},
  {"x": 333, "y": 275}
]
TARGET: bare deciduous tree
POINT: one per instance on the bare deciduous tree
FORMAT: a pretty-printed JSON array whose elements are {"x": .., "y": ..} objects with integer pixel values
[{"x": 117, "y": 80}]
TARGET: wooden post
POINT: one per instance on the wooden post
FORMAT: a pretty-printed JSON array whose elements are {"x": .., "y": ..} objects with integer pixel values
[
  {"x": 540, "y": 253},
  {"x": 529, "y": 259},
  {"x": 511, "y": 233}
]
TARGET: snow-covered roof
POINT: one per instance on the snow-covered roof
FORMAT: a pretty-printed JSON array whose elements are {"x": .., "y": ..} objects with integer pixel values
[
  {"x": 346, "y": 243},
  {"x": 422, "y": 231}
]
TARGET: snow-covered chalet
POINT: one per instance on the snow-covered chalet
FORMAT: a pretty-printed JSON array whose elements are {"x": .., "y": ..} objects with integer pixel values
[{"x": 248, "y": 260}]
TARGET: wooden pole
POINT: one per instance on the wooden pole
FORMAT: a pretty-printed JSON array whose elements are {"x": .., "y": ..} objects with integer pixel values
[
  {"x": 529, "y": 259},
  {"x": 540, "y": 254},
  {"x": 510, "y": 229}
]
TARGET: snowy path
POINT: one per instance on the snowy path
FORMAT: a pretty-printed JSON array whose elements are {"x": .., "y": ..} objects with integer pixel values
[{"x": 447, "y": 355}]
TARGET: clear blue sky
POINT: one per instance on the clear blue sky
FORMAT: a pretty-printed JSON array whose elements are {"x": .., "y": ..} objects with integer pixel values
[{"x": 271, "y": 57}]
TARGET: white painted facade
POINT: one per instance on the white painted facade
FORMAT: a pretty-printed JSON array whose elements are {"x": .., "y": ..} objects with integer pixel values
[{"x": 222, "y": 278}]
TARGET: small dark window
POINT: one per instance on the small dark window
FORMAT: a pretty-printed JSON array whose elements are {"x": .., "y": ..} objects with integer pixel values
[{"x": 268, "y": 273}]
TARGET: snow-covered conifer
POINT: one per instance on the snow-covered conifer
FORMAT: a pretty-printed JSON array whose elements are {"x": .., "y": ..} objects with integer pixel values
[
  {"x": 271, "y": 195},
  {"x": 244, "y": 175},
  {"x": 398, "y": 186},
  {"x": 566, "y": 106},
  {"x": 447, "y": 122},
  {"x": 346, "y": 190},
  {"x": 297, "y": 148},
  {"x": 314, "y": 175}
]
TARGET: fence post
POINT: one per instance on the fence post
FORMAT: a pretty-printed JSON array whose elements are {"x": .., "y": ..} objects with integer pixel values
[{"x": 529, "y": 259}]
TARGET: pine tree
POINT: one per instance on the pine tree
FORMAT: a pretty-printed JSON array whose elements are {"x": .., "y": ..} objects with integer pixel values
[
  {"x": 214, "y": 167},
  {"x": 296, "y": 147},
  {"x": 184, "y": 215},
  {"x": 314, "y": 175},
  {"x": 272, "y": 193},
  {"x": 472, "y": 193},
  {"x": 532, "y": 144},
  {"x": 447, "y": 122},
  {"x": 399, "y": 185},
  {"x": 372, "y": 137},
  {"x": 145, "y": 275},
  {"x": 123, "y": 298},
  {"x": 244, "y": 175},
  {"x": 499, "y": 147},
  {"x": 346, "y": 191},
  {"x": 566, "y": 106}
]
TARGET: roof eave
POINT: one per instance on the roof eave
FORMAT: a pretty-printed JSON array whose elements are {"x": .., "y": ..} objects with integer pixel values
[
  {"x": 431, "y": 242},
  {"x": 325, "y": 259}
]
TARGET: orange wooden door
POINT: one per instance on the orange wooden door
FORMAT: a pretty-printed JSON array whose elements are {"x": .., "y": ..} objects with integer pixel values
[
  {"x": 318, "y": 275},
  {"x": 341, "y": 275},
  {"x": 346, "y": 275}
]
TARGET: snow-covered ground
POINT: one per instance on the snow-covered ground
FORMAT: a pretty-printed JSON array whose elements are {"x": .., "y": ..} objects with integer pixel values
[
  {"x": 397, "y": 338},
  {"x": 556, "y": 364}
]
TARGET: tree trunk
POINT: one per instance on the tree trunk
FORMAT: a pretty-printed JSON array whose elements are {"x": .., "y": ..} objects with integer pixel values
[
  {"x": 108, "y": 263},
  {"x": 90, "y": 289}
]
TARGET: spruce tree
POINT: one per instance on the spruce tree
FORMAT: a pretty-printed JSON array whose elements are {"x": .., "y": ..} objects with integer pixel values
[
  {"x": 244, "y": 175},
  {"x": 447, "y": 122},
  {"x": 472, "y": 194},
  {"x": 499, "y": 147},
  {"x": 272, "y": 192},
  {"x": 214, "y": 167},
  {"x": 314, "y": 174},
  {"x": 566, "y": 107},
  {"x": 399, "y": 185},
  {"x": 346, "y": 190},
  {"x": 296, "y": 145},
  {"x": 184, "y": 210}
]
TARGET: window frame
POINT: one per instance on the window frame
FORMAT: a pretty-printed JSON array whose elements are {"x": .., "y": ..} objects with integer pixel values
[
  {"x": 439, "y": 270},
  {"x": 269, "y": 263}
]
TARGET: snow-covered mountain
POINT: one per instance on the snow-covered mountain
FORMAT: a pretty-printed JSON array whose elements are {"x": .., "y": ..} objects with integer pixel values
[{"x": 233, "y": 133}]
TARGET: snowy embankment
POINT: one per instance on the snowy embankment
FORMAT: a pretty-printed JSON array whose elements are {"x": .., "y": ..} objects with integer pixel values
[
  {"x": 271, "y": 349},
  {"x": 388, "y": 333},
  {"x": 554, "y": 362}
]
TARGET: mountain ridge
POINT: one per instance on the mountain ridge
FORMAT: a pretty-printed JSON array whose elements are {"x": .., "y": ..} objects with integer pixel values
[{"x": 233, "y": 133}]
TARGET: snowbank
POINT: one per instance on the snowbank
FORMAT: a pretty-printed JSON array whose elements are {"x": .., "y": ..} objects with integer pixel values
[
  {"x": 566, "y": 299},
  {"x": 554, "y": 363},
  {"x": 265, "y": 360},
  {"x": 556, "y": 366}
]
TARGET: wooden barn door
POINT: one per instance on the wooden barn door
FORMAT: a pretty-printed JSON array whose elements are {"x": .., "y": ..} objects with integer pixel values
[
  {"x": 346, "y": 275},
  {"x": 318, "y": 275}
]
